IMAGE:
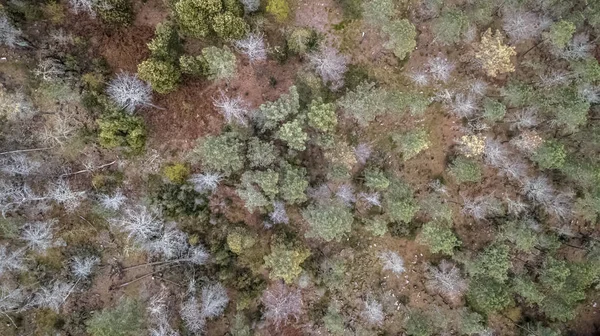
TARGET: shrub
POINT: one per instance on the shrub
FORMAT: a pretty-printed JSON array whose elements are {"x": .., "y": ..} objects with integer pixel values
[
  {"x": 234, "y": 6},
  {"x": 334, "y": 321},
  {"x": 220, "y": 63},
  {"x": 252, "y": 198},
  {"x": 271, "y": 114},
  {"x": 418, "y": 323},
  {"x": 449, "y": 26},
  {"x": 293, "y": 184},
  {"x": 439, "y": 237},
  {"x": 118, "y": 129},
  {"x": 176, "y": 200},
  {"x": 412, "y": 143},
  {"x": 465, "y": 170},
  {"x": 302, "y": 40},
  {"x": 166, "y": 45},
  {"x": 378, "y": 12},
  {"x": 279, "y": 9},
  {"x": 487, "y": 295},
  {"x": 162, "y": 76},
  {"x": 266, "y": 180},
  {"x": 518, "y": 233},
  {"x": 528, "y": 290},
  {"x": 322, "y": 116},
  {"x": 260, "y": 153},
  {"x": 378, "y": 226},
  {"x": 223, "y": 153},
  {"x": 116, "y": 12},
  {"x": 399, "y": 202},
  {"x": 494, "y": 55},
  {"x": 493, "y": 110},
  {"x": 293, "y": 134},
  {"x": 550, "y": 155},
  {"x": 517, "y": 93},
  {"x": 240, "y": 240},
  {"x": 228, "y": 26},
  {"x": 177, "y": 173},
  {"x": 193, "y": 65},
  {"x": 285, "y": 260},
  {"x": 401, "y": 37},
  {"x": 493, "y": 262},
  {"x": 126, "y": 319},
  {"x": 194, "y": 16},
  {"x": 560, "y": 33},
  {"x": 554, "y": 273},
  {"x": 376, "y": 179},
  {"x": 436, "y": 208},
  {"x": 329, "y": 221},
  {"x": 364, "y": 103}
]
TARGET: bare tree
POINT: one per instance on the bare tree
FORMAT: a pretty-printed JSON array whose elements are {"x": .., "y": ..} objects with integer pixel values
[
  {"x": 440, "y": 68},
  {"x": 373, "y": 311},
  {"x": 579, "y": 47},
  {"x": 61, "y": 193},
  {"x": 251, "y": 5},
  {"x": 495, "y": 153},
  {"x": 38, "y": 235},
  {"x": 232, "y": 109},
  {"x": 539, "y": 190},
  {"x": 320, "y": 194},
  {"x": 114, "y": 201},
  {"x": 419, "y": 77},
  {"x": 446, "y": 280},
  {"x": 478, "y": 87},
  {"x": 481, "y": 207},
  {"x": 205, "y": 182},
  {"x": 525, "y": 118},
  {"x": 158, "y": 312},
  {"x": 514, "y": 168},
  {"x": 129, "y": 92},
  {"x": 58, "y": 130},
  {"x": 515, "y": 207},
  {"x": 9, "y": 35},
  {"x": 590, "y": 93},
  {"x": 253, "y": 46},
  {"x": 82, "y": 267},
  {"x": 13, "y": 196},
  {"x": 392, "y": 261},
  {"x": 281, "y": 304},
  {"x": 141, "y": 224},
  {"x": 520, "y": 25},
  {"x": 330, "y": 65},
  {"x": 85, "y": 6},
  {"x": 52, "y": 297},
  {"x": 214, "y": 300},
  {"x": 279, "y": 214},
  {"x": 10, "y": 298},
  {"x": 50, "y": 70},
  {"x": 16, "y": 106},
  {"x": 372, "y": 199},
  {"x": 172, "y": 244},
  {"x": 463, "y": 106},
  {"x": 556, "y": 77},
  {"x": 192, "y": 317},
  {"x": 19, "y": 164},
  {"x": 362, "y": 152},
  {"x": 345, "y": 194},
  {"x": 11, "y": 261}
]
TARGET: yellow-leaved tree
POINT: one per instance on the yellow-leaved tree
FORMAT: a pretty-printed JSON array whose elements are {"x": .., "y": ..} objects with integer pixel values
[{"x": 494, "y": 55}]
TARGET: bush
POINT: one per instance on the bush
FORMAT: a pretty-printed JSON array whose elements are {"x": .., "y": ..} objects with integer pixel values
[
  {"x": 177, "y": 173},
  {"x": 285, "y": 260},
  {"x": 271, "y": 114},
  {"x": 322, "y": 116},
  {"x": 279, "y": 9},
  {"x": 220, "y": 63},
  {"x": 302, "y": 40},
  {"x": 528, "y": 290},
  {"x": 334, "y": 321},
  {"x": 493, "y": 110},
  {"x": 520, "y": 234},
  {"x": 401, "y": 37},
  {"x": 162, "y": 76},
  {"x": 376, "y": 179},
  {"x": 229, "y": 27},
  {"x": 399, "y": 202},
  {"x": 378, "y": 12},
  {"x": 126, "y": 319},
  {"x": 560, "y": 33},
  {"x": 517, "y": 93},
  {"x": 550, "y": 155},
  {"x": 260, "y": 153},
  {"x": 554, "y": 274},
  {"x": 493, "y": 262},
  {"x": 329, "y": 222},
  {"x": 193, "y": 65},
  {"x": 465, "y": 170},
  {"x": 378, "y": 226},
  {"x": 176, "y": 200},
  {"x": 450, "y": 26},
  {"x": 293, "y": 184},
  {"x": 118, "y": 129},
  {"x": 116, "y": 12},
  {"x": 222, "y": 153},
  {"x": 439, "y": 237},
  {"x": 487, "y": 295},
  {"x": 234, "y": 6},
  {"x": 166, "y": 45},
  {"x": 364, "y": 103},
  {"x": 194, "y": 16},
  {"x": 419, "y": 324},
  {"x": 293, "y": 134},
  {"x": 412, "y": 143},
  {"x": 266, "y": 180},
  {"x": 494, "y": 55},
  {"x": 240, "y": 239}
]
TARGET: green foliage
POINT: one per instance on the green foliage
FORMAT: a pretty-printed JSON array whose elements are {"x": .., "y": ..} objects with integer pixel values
[
  {"x": 162, "y": 76},
  {"x": 126, "y": 319},
  {"x": 399, "y": 202},
  {"x": 241, "y": 239},
  {"x": 252, "y": 198},
  {"x": 334, "y": 321},
  {"x": 378, "y": 12},
  {"x": 588, "y": 207},
  {"x": 401, "y": 37},
  {"x": 194, "y": 16},
  {"x": 568, "y": 108},
  {"x": 220, "y": 63},
  {"x": 260, "y": 153},
  {"x": 166, "y": 45},
  {"x": 520, "y": 234},
  {"x": 334, "y": 273},
  {"x": 550, "y": 155},
  {"x": 228, "y": 26},
  {"x": 193, "y": 65},
  {"x": 376, "y": 179},
  {"x": 117, "y": 12},
  {"x": 378, "y": 225},
  {"x": 487, "y": 295},
  {"x": 240, "y": 326},
  {"x": 285, "y": 260},
  {"x": 419, "y": 323},
  {"x": 493, "y": 110},
  {"x": 322, "y": 116},
  {"x": 450, "y": 26},
  {"x": 470, "y": 322},
  {"x": 293, "y": 134},
  {"x": 436, "y": 208},
  {"x": 412, "y": 143},
  {"x": 234, "y": 6},
  {"x": 517, "y": 94},
  {"x": 493, "y": 262},
  {"x": 465, "y": 170},
  {"x": 179, "y": 200},
  {"x": 293, "y": 184},
  {"x": 439, "y": 237},
  {"x": 266, "y": 180},
  {"x": 222, "y": 153},
  {"x": 330, "y": 222},
  {"x": 586, "y": 70},
  {"x": 364, "y": 103},
  {"x": 302, "y": 40},
  {"x": 118, "y": 129},
  {"x": 554, "y": 273},
  {"x": 528, "y": 290},
  {"x": 279, "y": 9},
  {"x": 271, "y": 114},
  {"x": 177, "y": 173},
  {"x": 560, "y": 33}
]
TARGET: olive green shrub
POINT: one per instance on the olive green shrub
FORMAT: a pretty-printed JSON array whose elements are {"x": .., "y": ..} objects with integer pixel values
[
  {"x": 330, "y": 222},
  {"x": 162, "y": 76}
]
